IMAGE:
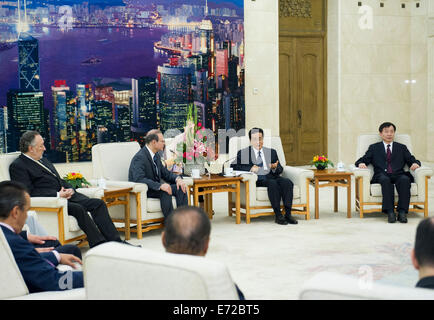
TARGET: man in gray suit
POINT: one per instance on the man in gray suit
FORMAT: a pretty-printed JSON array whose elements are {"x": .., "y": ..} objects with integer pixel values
[{"x": 146, "y": 167}]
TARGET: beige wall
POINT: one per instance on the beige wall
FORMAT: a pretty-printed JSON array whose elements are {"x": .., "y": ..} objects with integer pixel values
[{"x": 367, "y": 72}]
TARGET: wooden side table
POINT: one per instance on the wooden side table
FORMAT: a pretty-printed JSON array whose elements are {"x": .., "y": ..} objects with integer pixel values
[
  {"x": 332, "y": 178},
  {"x": 113, "y": 197},
  {"x": 215, "y": 184}
]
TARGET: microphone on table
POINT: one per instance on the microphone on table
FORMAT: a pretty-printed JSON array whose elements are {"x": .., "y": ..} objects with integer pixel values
[{"x": 223, "y": 166}]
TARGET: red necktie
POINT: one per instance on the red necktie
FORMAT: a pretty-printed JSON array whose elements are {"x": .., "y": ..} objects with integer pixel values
[{"x": 389, "y": 160}]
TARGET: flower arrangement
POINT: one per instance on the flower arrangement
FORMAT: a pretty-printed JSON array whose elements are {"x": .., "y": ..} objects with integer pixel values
[
  {"x": 76, "y": 180},
  {"x": 195, "y": 147},
  {"x": 321, "y": 162}
]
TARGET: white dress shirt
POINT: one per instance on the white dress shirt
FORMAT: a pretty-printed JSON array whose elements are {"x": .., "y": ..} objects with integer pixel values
[
  {"x": 262, "y": 156},
  {"x": 386, "y": 144}
]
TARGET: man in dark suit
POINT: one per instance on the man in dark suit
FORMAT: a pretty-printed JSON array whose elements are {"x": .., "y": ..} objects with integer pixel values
[
  {"x": 38, "y": 269},
  {"x": 187, "y": 231},
  {"x": 265, "y": 163},
  {"x": 389, "y": 158},
  {"x": 42, "y": 180},
  {"x": 422, "y": 255},
  {"x": 146, "y": 167}
]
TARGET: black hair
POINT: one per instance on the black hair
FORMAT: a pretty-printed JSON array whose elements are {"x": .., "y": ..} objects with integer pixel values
[
  {"x": 386, "y": 125},
  {"x": 187, "y": 230},
  {"x": 255, "y": 130},
  {"x": 152, "y": 135},
  {"x": 424, "y": 244},
  {"x": 12, "y": 194}
]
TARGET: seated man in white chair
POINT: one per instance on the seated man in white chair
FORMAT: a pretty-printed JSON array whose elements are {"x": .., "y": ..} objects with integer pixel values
[
  {"x": 389, "y": 159},
  {"x": 265, "y": 163}
]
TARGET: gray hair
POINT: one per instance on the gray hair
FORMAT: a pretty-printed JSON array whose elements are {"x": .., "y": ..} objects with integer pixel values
[
  {"x": 152, "y": 135},
  {"x": 27, "y": 140}
]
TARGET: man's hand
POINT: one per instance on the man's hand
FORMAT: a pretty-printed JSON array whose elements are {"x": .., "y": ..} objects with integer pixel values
[
  {"x": 181, "y": 184},
  {"x": 39, "y": 239},
  {"x": 166, "y": 188},
  {"x": 414, "y": 167},
  {"x": 363, "y": 166},
  {"x": 273, "y": 166},
  {"x": 69, "y": 259},
  {"x": 41, "y": 250},
  {"x": 66, "y": 193},
  {"x": 254, "y": 169}
]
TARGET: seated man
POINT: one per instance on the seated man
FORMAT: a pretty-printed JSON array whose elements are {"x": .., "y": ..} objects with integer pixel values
[
  {"x": 265, "y": 163},
  {"x": 42, "y": 180},
  {"x": 187, "y": 231},
  {"x": 422, "y": 255},
  {"x": 389, "y": 158},
  {"x": 146, "y": 167},
  {"x": 38, "y": 269}
]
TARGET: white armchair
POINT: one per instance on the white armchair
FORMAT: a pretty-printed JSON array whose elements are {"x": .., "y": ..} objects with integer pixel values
[
  {"x": 254, "y": 200},
  {"x": 334, "y": 286},
  {"x": 368, "y": 194},
  {"x": 150, "y": 275},
  {"x": 52, "y": 212},
  {"x": 12, "y": 285},
  {"x": 111, "y": 161}
]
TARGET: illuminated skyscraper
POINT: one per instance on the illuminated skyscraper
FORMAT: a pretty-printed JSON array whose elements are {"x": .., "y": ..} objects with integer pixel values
[
  {"x": 144, "y": 103},
  {"x": 86, "y": 123},
  {"x": 66, "y": 119},
  {"x": 28, "y": 63},
  {"x": 3, "y": 126},
  {"x": 174, "y": 95},
  {"x": 25, "y": 112},
  {"x": 222, "y": 62}
]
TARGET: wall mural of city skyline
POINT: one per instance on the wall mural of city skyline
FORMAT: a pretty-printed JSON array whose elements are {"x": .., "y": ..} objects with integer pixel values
[{"x": 97, "y": 71}]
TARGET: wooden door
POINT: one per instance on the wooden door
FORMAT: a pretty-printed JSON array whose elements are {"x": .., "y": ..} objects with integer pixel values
[{"x": 303, "y": 110}]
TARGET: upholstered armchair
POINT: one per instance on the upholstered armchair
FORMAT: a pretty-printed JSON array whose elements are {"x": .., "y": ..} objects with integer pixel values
[
  {"x": 152, "y": 275},
  {"x": 111, "y": 161},
  {"x": 52, "y": 211},
  {"x": 254, "y": 200},
  {"x": 12, "y": 285},
  {"x": 368, "y": 195}
]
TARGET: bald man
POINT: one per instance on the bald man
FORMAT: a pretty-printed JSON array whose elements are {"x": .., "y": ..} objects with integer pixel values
[{"x": 187, "y": 231}]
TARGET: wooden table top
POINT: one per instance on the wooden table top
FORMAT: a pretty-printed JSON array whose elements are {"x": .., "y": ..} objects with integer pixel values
[
  {"x": 216, "y": 178},
  {"x": 112, "y": 191},
  {"x": 330, "y": 173}
]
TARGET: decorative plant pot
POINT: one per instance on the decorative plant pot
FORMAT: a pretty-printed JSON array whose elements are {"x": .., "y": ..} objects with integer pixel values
[
  {"x": 188, "y": 167},
  {"x": 320, "y": 167}
]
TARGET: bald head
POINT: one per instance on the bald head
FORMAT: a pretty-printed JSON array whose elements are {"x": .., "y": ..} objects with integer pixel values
[{"x": 187, "y": 231}]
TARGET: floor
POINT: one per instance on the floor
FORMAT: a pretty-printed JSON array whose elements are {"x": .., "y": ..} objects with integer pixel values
[{"x": 270, "y": 261}]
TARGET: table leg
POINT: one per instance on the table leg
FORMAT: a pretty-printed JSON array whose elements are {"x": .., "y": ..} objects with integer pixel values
[
  {"x": 208, "y": 204},
  {"x": 237, "y": 204},
  {"x": 127, "y": 217},
  {"x": 336, "y": 199},
  {"x": 316, "y": 199},
  {"x": 230, "y": 204},
  {"x": 349, "y": 199},
  {"x": 195, "y": 196}
]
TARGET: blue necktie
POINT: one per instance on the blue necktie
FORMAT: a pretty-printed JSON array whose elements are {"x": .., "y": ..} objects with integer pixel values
[
  {"x": 155, "y": 163},
  {"x": 259, "y": 161}
]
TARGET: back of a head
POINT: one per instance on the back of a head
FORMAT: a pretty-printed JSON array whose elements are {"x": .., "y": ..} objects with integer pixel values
[
  {"x": 424, "y": 244},
  {"x": 152, "y": 135},
  {"x": 12, "y": 194},
  {"x": 187, "y": 231}
]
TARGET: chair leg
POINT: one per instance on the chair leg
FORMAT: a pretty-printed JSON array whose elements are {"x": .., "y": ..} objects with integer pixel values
[{"x": 139, "y": 215}]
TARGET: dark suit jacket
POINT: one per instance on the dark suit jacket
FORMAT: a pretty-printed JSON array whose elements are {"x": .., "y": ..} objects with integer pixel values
[
  {"x": 376, "y": 155},
  {"x": 39, "y": 275},
  {"x": 142, "y": 170},
  {"x": 246, "y": 160},
  {"x": 427, "y": 283},
  {"x": 38, "y": 180}
]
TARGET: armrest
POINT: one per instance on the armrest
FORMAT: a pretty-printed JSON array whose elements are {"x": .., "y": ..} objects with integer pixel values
[
  {"x": 419, "y": 178},
  {"x": 300, "y": 178},
  {"x": 47, "y": 202},
  {"x": 93, "y": 192},
  {"x": 137, "y": 187},
  {"x": 188, "y": 181}
]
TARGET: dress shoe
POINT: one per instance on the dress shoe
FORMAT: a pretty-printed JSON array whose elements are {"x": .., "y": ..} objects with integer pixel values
[
  {"x": 392, "y": 217},
  {"x": 402, "y": 217},
  {"x": 282, "y": 221},
  {"x": 290, "y": 219}
]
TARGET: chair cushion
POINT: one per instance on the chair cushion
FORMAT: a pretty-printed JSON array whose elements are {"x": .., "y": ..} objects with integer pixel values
[
  {"x": 73, "y": 224},
  {"x": 376, "y": 190},
  {"x": 153, "y": 205},
  {"x": 262, "y": 193}
]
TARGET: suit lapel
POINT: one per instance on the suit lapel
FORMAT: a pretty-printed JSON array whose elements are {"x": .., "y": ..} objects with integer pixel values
[
  {"x": 35, "y": 165},
  {"x": 148, "y": 155}
]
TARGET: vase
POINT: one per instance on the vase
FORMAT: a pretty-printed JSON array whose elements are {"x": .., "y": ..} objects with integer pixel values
[
  {"x": 321, "y": 166},
  {"x": 188, "y": 167}
]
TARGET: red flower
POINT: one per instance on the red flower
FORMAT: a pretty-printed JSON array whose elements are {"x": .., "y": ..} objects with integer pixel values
[{"x": 199, "y": 124}]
